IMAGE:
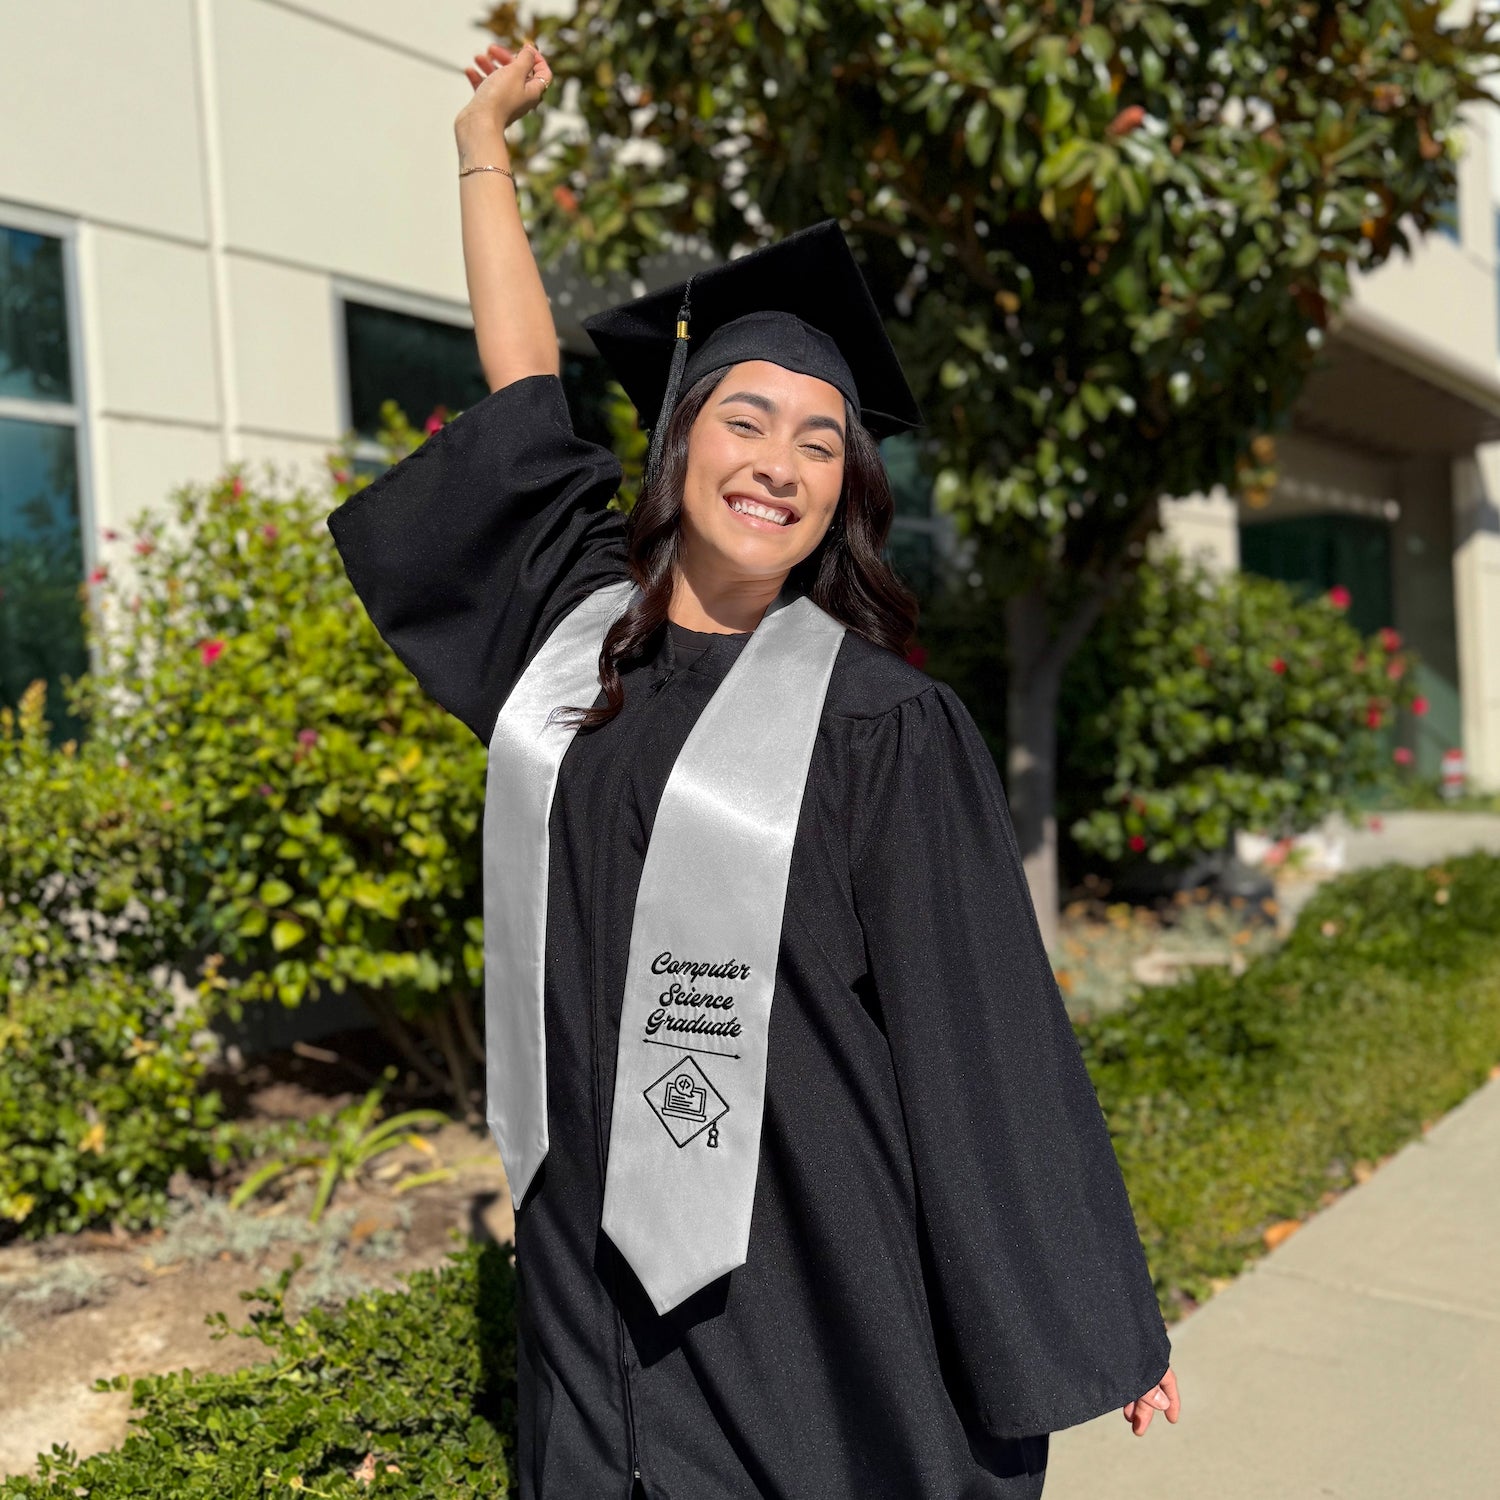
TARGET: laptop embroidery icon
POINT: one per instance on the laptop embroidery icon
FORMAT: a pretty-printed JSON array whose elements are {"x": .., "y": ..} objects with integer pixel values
[{"x": 685, "y": 1101}]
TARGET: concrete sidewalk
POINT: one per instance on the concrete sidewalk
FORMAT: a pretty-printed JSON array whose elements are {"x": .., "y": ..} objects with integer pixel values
[{"x": 1361, "y": 1360}]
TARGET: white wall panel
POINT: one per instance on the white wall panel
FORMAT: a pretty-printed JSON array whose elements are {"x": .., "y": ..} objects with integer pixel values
[
  {"x": 146, "y": 461},
  {"x": 292, "y": 463},
  {"x": 98, "y": 112},
  {"x": 153, "y": 311},
  {"x": 338, "y": 152},
  {"x": 284, "y": 351},
  {"x": 445, "y": 31}
]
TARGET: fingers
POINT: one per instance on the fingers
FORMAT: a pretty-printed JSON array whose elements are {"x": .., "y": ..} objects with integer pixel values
[
  {"x": 1174, "y": 1401},
  {"x": 1161, "y": 1397},
  {"x": 497, "y": 56}
]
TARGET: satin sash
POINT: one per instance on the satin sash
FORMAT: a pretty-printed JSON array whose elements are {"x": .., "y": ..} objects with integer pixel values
[
  {"x": 690, "y": 1073},
  {"x": 705, "y": 935},
  {"x": 525, "y": 754}
]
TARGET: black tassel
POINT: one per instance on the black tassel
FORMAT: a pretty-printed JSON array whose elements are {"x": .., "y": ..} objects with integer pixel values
[{"x": 674, "y": 387}]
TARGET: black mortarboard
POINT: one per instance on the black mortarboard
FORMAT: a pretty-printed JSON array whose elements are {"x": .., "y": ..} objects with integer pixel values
[{"x": 801, "y": 303}]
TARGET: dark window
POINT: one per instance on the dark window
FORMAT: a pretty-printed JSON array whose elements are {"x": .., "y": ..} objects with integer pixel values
[
  {"x": 33, "y": 318},
  {"x": 911, "y": 548},
  {"x": 41, "y": 540},
  {"x": 585, "y": 379},
  {"x": 423, "y": 364},
  {"x": 1447, "y": 218},
  {"x": 419, "y": 363},
  {"x": 1314, "y": 553},
  {"x": 41, "y": 561}
]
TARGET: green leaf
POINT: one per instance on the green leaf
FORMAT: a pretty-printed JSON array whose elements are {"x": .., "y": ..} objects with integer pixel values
[
  {"x": 1071, "y": 162},
  {"x": 287, "y": 934}
]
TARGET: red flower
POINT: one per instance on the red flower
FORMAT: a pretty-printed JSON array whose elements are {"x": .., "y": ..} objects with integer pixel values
[
  {"x": 307, "y": 736},
  {"x": 917, "y": 656},
  {"x": 110, "y": 534},
  {"x": 1278, "y": 666},
  {"x": 1373, "y": 719},
  {"x": 1389, "y": 639},
  {"x": 341, "y": 476},
  {"x": 565, "y": 198},
  {"x": 1419, "y": 705},
  {"x": 1137, "y": 842},
  {"x": 436, "y": 420},
  {"x": 269, "y": 531},
  {"x": 210, "y": 651},
  {"x": 1339, "y": 597},
  {"x": 237, "y": 488},
  {"x": 1127, "y": 120},
  {"x": 1395, "y": 669},
  {"x": 1401, "y": 755},
  {"x": 99, "y": 575},
  {"x": 1376, "y": 824},
  {"x": 145, "y": 547},
  {"x": 264, "y": 789}
]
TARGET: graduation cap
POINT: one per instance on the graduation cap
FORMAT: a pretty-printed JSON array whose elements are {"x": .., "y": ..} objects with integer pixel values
[{"x": 801, "y": 303}]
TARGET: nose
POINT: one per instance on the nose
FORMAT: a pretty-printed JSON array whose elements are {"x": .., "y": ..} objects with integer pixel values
[{"x": 773, "y": 465}]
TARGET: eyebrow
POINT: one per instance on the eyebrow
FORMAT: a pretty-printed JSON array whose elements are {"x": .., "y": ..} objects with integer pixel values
[{"x": 767, "y": 405}]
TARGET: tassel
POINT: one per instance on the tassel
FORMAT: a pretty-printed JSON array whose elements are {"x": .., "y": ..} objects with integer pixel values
[{"x": 674, "y": 387}]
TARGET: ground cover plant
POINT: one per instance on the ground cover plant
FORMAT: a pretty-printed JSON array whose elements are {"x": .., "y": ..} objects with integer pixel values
[
  {"x": 1237, "y": 1104},
  {"x": 407, "y": 1395}
]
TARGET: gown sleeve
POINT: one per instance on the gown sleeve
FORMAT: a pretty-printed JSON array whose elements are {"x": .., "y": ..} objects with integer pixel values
[
  {"x": 469, "y": 550},
  {"x": 1042, "y": 1303}
]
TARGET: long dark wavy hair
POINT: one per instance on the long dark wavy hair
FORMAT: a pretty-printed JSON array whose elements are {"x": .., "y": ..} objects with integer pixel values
[{"x": 844, "y": 574}]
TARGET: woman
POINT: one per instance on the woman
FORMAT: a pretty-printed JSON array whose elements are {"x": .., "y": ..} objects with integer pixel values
[{"x": 941, "y": 1265}]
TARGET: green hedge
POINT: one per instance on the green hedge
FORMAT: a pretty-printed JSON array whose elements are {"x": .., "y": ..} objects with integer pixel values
[
  {"x": 1238, "y": 1102},
  {"x": 405, "y": 1395},
  {"x": 100, "y": 1102}
]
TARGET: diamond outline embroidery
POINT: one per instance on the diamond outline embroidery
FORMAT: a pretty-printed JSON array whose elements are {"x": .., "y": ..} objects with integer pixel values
[{"x": 687, "y": 1062}]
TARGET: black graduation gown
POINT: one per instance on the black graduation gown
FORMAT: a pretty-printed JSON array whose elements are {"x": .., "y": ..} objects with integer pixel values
[{"x": 943, "y": 1265}]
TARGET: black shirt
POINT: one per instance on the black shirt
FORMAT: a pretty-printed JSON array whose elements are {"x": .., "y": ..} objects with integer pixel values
[{"x": 943, "y": 1266}]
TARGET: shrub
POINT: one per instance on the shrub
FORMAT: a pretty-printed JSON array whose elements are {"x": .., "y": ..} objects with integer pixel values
[
  {"x": 1200, "y": 705},
  {"x": 99, "y": 1103},
  {"x": 330, "y": 811},
  {"x": 87, "y": 856},
  {"x": 408, "y": 1395},
  {"x": 1234, "y": 1103}
]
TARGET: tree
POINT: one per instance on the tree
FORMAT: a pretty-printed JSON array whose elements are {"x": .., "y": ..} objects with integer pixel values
[{"x": 1108, "y": 236}]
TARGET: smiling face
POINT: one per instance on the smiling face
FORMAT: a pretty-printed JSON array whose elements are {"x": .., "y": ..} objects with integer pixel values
[{"x": 764, "y": 473}]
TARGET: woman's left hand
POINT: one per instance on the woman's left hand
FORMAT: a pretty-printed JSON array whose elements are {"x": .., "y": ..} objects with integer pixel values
[{"x": 1161, "y": 1397}]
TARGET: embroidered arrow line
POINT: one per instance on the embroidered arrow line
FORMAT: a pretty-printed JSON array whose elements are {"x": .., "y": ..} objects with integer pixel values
[{"x": 651, "y": 1041}]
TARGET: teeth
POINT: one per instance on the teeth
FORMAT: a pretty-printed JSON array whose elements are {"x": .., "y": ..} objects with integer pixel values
[{"x": 750, "y": 508}]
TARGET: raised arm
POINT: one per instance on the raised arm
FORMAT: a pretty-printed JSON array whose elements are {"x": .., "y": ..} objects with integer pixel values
[
  {"x": 468, "y": 551},
  {"x": 512, "y": 317}
]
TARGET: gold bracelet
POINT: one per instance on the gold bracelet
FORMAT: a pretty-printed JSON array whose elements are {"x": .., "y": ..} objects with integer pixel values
[{"x": 464, "y": 171}]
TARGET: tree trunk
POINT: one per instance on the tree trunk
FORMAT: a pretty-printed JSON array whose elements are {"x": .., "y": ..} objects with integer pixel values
[
  {"x": 1035, "y": 677},
  {"x": 1037, "y": 653}
]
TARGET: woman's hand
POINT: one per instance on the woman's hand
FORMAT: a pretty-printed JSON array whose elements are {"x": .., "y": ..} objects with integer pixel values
[
  {"x": 507, "y": 85},
  {"x": 1161, "y": 1397}
]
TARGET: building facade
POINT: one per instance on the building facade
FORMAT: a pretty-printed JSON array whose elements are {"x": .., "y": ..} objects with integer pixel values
[{"x": 229, "y": 229}]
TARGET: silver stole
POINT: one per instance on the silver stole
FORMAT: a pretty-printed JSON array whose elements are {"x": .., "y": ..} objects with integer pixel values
[{"x": 691, "y": 1065}]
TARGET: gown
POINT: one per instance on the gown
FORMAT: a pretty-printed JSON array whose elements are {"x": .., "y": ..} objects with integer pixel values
[{"x": 943, "y": 1266}]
